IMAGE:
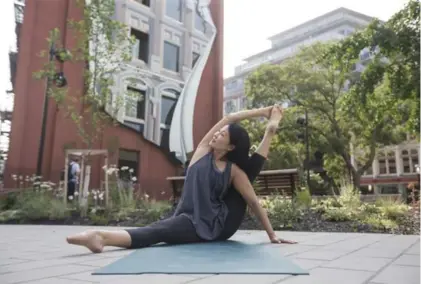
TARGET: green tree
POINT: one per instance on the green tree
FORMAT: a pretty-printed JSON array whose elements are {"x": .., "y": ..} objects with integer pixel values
[
  {"x": 103, "y": 45},
  {"x": 282, "y": 155},
  {"x": 313, "y": 83},
  {"x": 395, "y": 47}
]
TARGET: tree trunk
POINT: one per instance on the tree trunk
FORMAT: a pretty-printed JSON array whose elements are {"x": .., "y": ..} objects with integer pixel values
[
  {"x": 355, "y": 175},
  {"x": 356, "y": 179}
]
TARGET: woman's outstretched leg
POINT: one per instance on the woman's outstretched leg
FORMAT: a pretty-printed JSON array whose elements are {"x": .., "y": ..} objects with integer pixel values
[
  {"x": 174, "y": 230},
  {"x": 96, "y": 240}
]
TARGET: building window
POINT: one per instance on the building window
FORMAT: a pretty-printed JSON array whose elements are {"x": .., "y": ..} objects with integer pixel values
[
  {"x": 135, "y": 102},
  {"x": 243, "y": 104},
  {"x": 410, "y": 161},
  {"x": 144, "y": 2},
  {"x": 391, "y": 162},
  {"x": 169, "y": 98},
  {"x": 130, "y": 160},
  {"x": 141, "y": 45},
  {"x": 195, "y": 58},
  {"x": 229, "y": 107},
  {"x": 389, "y": 189},
  {"x": 387, "y": 164},
  {"x": 171, "y": 56},
  {"x": 199, "y": 22},
  {"x": 173, "y": 9}
]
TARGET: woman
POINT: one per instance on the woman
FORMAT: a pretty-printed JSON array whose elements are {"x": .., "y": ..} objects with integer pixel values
[{"x": 216, "y": 190}]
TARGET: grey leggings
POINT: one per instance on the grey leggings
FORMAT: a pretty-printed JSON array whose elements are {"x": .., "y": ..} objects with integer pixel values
[{"x": 180, "y": 230}]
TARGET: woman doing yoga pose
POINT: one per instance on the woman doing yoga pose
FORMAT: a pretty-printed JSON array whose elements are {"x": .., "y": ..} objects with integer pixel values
[{"x": 216, "y": 191}]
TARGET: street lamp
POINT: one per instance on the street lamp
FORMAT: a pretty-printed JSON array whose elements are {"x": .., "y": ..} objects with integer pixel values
[
  {"x": 59, "y": 80},
  {"x": 304, "y": 137}
]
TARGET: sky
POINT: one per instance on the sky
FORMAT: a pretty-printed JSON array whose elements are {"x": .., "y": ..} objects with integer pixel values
[{"x": 247, "y": 25}]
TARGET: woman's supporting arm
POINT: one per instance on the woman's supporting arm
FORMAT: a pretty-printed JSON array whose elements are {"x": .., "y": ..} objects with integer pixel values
[{"x": 244, "y": 187}]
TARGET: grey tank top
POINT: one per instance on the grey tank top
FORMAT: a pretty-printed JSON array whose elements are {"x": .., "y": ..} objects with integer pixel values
[{"x": 202, "y": 198}]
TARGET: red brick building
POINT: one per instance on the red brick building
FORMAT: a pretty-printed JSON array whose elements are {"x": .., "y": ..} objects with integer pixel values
[{"x": 153, "y": 162}]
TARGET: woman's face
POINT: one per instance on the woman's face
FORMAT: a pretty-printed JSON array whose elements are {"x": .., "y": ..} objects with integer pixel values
[{"x": 221, "y": 140}]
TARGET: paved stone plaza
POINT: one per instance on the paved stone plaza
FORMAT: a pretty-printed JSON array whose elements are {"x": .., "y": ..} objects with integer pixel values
[{"x": 39, "y": 254}]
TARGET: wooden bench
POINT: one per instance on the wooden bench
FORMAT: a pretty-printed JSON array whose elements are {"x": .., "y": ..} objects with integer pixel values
[
  {"x": 277, "y": 182},
  {"x": 267, "y": 182}
]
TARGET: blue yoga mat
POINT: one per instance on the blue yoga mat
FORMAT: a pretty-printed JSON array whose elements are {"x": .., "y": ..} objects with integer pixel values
[{"x": 228, "y": 257}]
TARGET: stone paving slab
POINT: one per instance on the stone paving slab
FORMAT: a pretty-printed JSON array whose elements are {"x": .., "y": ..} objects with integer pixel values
[{"x": 39, "y": 254}]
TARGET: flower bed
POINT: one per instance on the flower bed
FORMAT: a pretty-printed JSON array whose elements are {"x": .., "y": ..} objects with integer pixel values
[{"x": 345, "y": 213}]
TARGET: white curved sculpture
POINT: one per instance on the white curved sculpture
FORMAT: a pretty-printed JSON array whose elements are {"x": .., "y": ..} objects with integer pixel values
[{"x": 181, "y": 133}]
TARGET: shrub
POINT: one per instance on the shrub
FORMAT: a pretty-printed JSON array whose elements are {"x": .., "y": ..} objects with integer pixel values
[
  {"x": 33, "y": 205},
  {"x": 8, "y": 201},
  {"x": 339, "y": 214},
  {"x": 324, "y": 205},
  {"x": 349, "y": 197},
  {"x": 367, "y": 208},
  {"x": 303, "y": 198},
  {"x": 57, "y": 211},
  {"x": 100, "y": 220},
  {"x": 10, "y": 215},
  {"x": 281, "y": 211},
  {"x": 379, "y": 223},
  {"x": 393, "y": 209},
  {"x": 155, "y": 210}
]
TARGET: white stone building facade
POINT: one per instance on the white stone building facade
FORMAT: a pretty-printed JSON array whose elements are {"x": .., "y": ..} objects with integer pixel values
[{"x": 173, "y": 42}]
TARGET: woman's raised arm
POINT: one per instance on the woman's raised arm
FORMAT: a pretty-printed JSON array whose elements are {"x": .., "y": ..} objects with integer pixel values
[{"x": 203, "y": 148}]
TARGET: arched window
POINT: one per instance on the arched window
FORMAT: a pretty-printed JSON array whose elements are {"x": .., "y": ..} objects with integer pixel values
[
  {"x": 169, "y": 98},
  {"x": 409, "y": 161}
]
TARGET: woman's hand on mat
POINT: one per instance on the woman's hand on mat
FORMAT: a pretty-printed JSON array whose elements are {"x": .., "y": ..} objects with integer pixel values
[{"x": 276, "y": 240}]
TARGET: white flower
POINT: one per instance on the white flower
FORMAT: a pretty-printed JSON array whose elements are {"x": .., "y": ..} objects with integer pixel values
[
  {"x": 71, "y": 197},
  {"x": 111, "y": 171},
  {"x": 146, "y": 196},
  {"x": 20, "y": 177},
  {"x": 163, "y": 192},
  {"x": 124, "y": 168},
  {"x": 14, "y": 177},
  {"x": 134, "y": 179},
  {"x": 93, "y": 210},
  {"x": 131, "y": 171},
  {"x": 87, "y": 194},
  {"x": 101, "y": 195},
  {"x": 95, "y": 197},
  {"x": 76, "y": 193},
  {"x": 104, "y": 167}
]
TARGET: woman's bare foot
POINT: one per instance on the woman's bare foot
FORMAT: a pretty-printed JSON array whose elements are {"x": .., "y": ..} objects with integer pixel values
[
  {"x": 275, "y": 118},
  {"x": 90, "y": 239}
]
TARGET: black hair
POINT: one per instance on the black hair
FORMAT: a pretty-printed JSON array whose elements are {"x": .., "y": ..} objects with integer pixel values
[{"x": 240, "y": 139}]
